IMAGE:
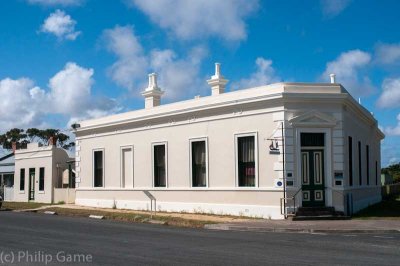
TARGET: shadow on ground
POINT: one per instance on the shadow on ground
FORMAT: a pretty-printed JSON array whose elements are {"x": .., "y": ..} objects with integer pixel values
[{"x": 387, "y": 208}]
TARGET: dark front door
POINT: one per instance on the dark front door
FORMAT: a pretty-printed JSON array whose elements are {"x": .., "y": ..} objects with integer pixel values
[
  {"x": 312, "y": 178},
  {"x": 32, "y": 184}
]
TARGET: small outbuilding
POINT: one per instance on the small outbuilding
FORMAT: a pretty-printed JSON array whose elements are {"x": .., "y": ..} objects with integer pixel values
[
  {"x": 39, "y": 171},
  {"x": 7, "y": 165}
]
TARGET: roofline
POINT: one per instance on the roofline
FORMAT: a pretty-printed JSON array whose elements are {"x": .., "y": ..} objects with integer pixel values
[{"x": 6, "y": 156}]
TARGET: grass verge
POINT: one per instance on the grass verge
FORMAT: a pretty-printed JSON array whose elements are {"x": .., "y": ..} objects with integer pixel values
[
  {"x": 22, "y": 205},
  {"x": 130, "y": 217},
  {"x": 388, "y": 209}
]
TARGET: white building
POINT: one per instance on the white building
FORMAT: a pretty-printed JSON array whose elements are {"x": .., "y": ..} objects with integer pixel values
[
  {"x": 38, "y": 171},
  {"x": 236, "y": 153}
]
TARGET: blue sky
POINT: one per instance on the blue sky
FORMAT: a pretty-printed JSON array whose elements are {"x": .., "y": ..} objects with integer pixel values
[{"x": 65, "y": 60}]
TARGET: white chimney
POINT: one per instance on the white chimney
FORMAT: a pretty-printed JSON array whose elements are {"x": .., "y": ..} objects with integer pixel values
[
  {"x": 152, "y": 94},
  {"x": 217, "y": 82},
  {"x": 333, "y": 78}
]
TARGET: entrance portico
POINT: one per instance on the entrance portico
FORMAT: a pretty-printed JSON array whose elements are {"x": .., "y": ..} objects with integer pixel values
[{"x": 314, "y": 158}]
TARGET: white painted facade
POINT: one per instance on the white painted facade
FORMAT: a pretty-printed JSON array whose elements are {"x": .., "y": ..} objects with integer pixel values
[
  {"x": 220, "y": 120},
  {"x": 30, "y": 164}
]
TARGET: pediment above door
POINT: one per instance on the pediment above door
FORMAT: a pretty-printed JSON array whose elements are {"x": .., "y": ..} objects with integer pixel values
[{"x": 313, "y": 119}]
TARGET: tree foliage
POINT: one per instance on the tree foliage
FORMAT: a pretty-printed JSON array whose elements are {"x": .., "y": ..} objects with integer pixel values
[
  {"x": 42, "y": 136},
  {"x": 393, "y": 170}
]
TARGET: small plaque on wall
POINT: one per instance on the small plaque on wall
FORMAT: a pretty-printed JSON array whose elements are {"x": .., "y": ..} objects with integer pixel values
[{"x": 338, "y": 175}]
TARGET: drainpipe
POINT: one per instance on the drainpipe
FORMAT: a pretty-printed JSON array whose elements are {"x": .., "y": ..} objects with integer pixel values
[{"x": 283, "y": 171}]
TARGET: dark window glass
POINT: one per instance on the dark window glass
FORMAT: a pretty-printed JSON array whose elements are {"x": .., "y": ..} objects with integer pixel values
[
  {"x": 41, "y": 179},
  {"x": 246, "y": 161},
  {"x": 367, "y": 154},
  {"x": 350, "y": 161},
  {"x": 312, "y": 139},
  {"x": 199, "y": 165},
  {"x": 22, "y": 179},
  {"x": 98, "y": 168},
  {"x": 159, "y": 166},
  {"x": 359, "y": 163}
]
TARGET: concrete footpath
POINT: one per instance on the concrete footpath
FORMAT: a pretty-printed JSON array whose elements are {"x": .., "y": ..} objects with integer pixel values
[{"x": 335, "y": 226}]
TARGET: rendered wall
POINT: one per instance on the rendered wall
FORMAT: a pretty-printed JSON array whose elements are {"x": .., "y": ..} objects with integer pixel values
[{"x": 222, "y": 192}]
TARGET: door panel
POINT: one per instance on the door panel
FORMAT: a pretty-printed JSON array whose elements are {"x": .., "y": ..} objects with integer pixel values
[
  {"x": 312, "y": 176},
  {"x": 31, "y": 184},
  {"x": 127, "y": 168}
]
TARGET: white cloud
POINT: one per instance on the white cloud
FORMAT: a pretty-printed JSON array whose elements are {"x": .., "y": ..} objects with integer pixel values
[
  {"x": 200, "y": 18},
  {"x": 61, "y": 25},
  {"x": 25, "y": 105},
  {"x": 348, "y": 69},
  {"x": 387, "y": 54},
  {"x": 56, "y": 2},
  {"x": 390, "y": 97},
  {"x": 70, "y": 88},
  {"x": 19, "y": 107},
  {"x": 264, "y": 74},
  {"x": 131, "y": 64},
  {"x": 70, "y": 94},
  {"x": 332, "y": 8},
  {"x": 177, "y": 76},
  {"x": 393, "y": 131}
]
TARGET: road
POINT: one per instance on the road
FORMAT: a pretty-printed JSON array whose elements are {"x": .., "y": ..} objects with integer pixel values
[{"x": 29, "y": 237}]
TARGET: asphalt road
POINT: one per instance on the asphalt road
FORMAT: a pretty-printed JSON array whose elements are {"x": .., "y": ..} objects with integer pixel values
[{"x": 28, "y": 237}]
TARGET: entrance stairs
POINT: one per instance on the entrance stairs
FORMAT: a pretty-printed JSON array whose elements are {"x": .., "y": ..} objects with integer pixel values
[{"x": 318, "y": 213}]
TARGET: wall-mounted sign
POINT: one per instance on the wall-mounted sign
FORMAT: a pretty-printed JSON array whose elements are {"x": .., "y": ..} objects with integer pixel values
[
  {"x": 338, "y": 175},
  {"x": 274, "y": 146}
]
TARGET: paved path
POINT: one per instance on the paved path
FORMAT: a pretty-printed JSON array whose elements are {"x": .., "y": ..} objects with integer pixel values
[
  {"x": 119, "y": 243},
  {"x": 338, "y": 226}
]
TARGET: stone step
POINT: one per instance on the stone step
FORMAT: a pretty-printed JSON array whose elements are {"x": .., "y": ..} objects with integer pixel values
[{"x": 320, "y": 217}]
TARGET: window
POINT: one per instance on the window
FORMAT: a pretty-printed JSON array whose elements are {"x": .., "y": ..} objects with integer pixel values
[
  {"x": 199, "y": 163},
  {"x": 41, "y": 179},
  {"x": 350, "y": 161},
  {"x": 312, "y": 139},
  {"x": 159, "y": 165},
  {"x": 246, "y": 161},
  {"x": 367, "y": 154},
  {"x": 376, "y": 172},
  {"x": 98, "y": 168},
  {"x": 22, "y": 179},
  {"x": 359, "y": 163}
]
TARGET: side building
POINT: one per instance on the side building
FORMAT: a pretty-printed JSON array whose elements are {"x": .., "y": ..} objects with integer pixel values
[
  {"x": 7, "y": 176},
  {"x": 263, "y": 152},
  {"x": 38, "y": 171}
]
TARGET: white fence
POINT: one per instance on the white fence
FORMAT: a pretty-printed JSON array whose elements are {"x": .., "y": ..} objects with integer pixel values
[
  {"x": 8, "y": 194},
  {"x": 66, "y": 195}
]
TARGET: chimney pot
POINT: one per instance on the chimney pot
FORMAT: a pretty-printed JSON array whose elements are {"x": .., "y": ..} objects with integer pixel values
[
  {"x": 333, "y": 78},
  {"x": 14, "y": 146},
  {"x": 152, "y": 93},
  {"x": 217, "y": 81},
  {"x": 52, "y": 141}
]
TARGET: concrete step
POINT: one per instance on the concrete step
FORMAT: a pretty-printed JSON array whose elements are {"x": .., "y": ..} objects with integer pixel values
[{"x": 320, "y": 217}]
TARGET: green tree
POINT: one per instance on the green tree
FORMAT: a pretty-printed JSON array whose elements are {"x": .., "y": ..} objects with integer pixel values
[
  {"x": 41, "y": 136},
  {"x": 393, "y": 170},
  {"x": 13, "y": 135}
]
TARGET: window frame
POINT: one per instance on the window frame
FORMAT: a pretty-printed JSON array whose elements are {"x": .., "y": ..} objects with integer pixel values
[
  {"x": 40, "y": 177},
  {"x": 191, "y": 140},
  {"x": 122, "y": 148},
  {"x": 104, "y": 167},
  {"x": 350, "y": 152},
  {"x": 360, "y": 171},
  {"x": 20, "y": 183},
  {"x": 256, "y": 176},
  {"x": 153, "y": 144}
]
